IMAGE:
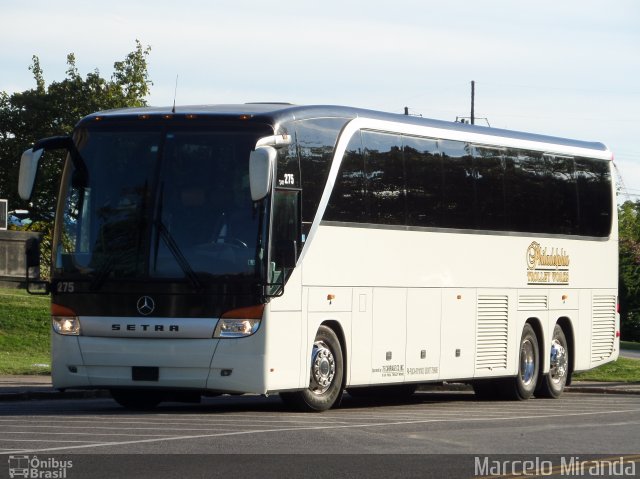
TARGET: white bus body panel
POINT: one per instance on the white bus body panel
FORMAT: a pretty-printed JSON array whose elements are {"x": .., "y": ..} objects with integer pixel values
[{"x": 432, "y": 307}]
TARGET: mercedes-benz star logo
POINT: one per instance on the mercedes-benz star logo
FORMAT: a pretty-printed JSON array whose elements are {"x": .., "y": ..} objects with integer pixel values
[{"x": 146, "y": 305}]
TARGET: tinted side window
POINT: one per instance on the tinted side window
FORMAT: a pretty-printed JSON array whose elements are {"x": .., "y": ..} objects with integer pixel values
[
  {"x": 527, "y": 207},
  {"x": 561, "y": 195},
  {"x": 348, "y": 198},
  {"x": 594, "y": 197},
  {"x": 316, "y": 141},
  {"x": 458, "y": 185},
  {"x": 490, "y": 190},
  {"x": 423, "y": 167},
  {"x": 285, "y": 231},
  {"x": 385, "y": 178}
]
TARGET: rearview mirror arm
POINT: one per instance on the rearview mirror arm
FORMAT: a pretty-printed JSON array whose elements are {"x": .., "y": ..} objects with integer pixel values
[{"x": 64, "y": 143}]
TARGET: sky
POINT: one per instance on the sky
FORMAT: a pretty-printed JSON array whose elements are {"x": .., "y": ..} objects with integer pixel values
[{"x": 568, "y": 68}]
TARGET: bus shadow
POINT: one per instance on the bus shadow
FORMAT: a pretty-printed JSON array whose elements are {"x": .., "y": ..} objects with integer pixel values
[
  {"x": 254, "y": 403},
  {"x": 225, "y": 404}
]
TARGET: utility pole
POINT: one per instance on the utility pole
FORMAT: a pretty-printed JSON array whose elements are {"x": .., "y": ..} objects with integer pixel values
[
  {"x": 472, "y": 119},
  {"x": 473, "y": 100}
]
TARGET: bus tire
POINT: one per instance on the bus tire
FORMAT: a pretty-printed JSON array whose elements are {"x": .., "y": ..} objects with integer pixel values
[
  {"x": 552, "y": 384},
  {"x": 325, "y": 381},
  {"x": 524, "y": 384},
  {"x": 136, "y": 399}
]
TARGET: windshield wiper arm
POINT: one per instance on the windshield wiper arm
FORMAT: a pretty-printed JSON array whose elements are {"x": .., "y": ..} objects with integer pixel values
[
  {"x": 81, "y": 175},
  {"x": 177, "y": 254},
  {"x": 164, "y": 233}
]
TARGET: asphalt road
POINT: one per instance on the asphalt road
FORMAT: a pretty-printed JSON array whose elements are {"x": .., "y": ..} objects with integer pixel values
[
  {"x": 384, "y": 439},
  {"x": 630, "y": 353}
]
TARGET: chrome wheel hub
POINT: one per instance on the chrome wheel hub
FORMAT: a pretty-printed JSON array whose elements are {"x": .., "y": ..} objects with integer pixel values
[
  {"x": 527, "y": 362},
  {"x": 323, "y": 368},
  {"x": 559, "y": 361}
]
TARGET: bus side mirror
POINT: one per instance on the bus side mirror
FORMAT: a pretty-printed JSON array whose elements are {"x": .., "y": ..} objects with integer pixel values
[
  {"x": 30, "y": 158},
  {"x": 28, "y": 169},
  {"x": 262, "y": 163}
]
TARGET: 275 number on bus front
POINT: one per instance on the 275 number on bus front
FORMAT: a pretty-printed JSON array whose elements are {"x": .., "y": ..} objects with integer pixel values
[{"x": 66, "y": 287}]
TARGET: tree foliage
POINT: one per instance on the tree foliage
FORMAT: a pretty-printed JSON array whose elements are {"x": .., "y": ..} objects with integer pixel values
[
  {"x": 54, "y": 110},
  {"x": 629, "y": 269}
]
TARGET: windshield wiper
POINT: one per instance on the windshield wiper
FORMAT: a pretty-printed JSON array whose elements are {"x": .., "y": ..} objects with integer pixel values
[
  {"x": 177, "y": 254},
  {"x": 164, "y": 233}
]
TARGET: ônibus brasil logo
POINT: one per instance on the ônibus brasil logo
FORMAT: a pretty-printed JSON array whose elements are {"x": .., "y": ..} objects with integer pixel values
[{"x": 33, "y": 467}]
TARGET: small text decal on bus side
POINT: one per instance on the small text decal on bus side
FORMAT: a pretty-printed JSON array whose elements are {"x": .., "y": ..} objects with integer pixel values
[{"x": 547, "y": 265}]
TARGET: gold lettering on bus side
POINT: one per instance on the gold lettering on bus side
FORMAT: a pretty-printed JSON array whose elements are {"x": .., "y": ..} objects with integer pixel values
[{"x": 547, "y": 265}]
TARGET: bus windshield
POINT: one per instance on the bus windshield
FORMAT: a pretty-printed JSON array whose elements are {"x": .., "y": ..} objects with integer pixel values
[{"x": 161, "y": 202}]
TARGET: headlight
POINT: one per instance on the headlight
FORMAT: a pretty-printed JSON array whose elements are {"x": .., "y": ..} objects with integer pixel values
[
  {"x": 236, "y": 328},
  {"x": 66, "y": 325},
  {"x": 239, "y": 323},
  {"x": 65, "y": 320}
]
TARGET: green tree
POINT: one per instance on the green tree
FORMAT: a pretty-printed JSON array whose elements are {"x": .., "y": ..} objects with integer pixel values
[
  {"x": 629, "y": 269},
  {"x": 54, "y": 110}
]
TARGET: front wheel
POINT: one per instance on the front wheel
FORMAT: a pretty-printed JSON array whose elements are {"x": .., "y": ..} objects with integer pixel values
[
  {"x": 552, "y": 385},
  {"x": 325, "y": 381}
]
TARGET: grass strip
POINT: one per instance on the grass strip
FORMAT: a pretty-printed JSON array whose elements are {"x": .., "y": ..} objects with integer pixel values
[{"x": 24, "y": 333}]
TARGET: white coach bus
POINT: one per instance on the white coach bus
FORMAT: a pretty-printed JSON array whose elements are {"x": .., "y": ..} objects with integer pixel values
[{"x": 309, "y": 250}]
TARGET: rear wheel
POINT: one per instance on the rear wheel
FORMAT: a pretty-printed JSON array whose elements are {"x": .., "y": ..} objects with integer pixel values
[
  {"x": 552, "y": 385},
  {"x": 325, "y": 382},
  {"x": 524, "y": 384}
]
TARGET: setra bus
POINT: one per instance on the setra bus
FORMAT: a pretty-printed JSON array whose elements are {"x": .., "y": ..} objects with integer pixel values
[{"x": 309, "y": 250}]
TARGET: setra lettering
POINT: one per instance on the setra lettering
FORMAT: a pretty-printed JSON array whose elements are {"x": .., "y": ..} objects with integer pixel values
[{"x": 160, "y": 328}]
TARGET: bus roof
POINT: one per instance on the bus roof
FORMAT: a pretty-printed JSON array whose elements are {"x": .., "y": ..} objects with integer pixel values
[{"x": 278, "y": 113}]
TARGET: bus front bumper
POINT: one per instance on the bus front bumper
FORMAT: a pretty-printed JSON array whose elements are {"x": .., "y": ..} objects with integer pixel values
[{"x": 217, "y": 365}]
